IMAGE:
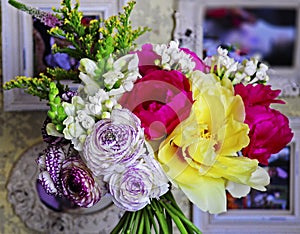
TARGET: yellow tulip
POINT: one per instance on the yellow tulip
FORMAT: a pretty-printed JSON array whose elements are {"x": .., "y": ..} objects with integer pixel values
[{"x": 200, "y": 155}]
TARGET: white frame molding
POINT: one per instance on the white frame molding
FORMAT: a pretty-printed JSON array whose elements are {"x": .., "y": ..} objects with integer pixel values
[
  {"x": 190, "y": 15},
  {"x": 17, "y": 45},
  {"x": 260, "y": 221}
]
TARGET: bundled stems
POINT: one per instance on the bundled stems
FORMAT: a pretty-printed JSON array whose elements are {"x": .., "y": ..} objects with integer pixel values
[{"x": 159, "y": 216}]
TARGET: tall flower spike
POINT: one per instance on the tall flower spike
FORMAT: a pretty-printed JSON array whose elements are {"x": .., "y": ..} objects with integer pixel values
[
  {"x": 46, "y": 18},
  {"x": 50, "y": 165}
]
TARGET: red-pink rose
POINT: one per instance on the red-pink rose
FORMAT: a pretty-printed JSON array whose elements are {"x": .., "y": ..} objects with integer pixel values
[
  {"x": 269, "y": 129},
  {"x": 161, "y": 100}
]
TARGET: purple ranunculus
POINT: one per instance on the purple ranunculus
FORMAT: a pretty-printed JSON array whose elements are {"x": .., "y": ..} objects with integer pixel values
[
  {"x": 78, "y": 183},
  {"x": 115, "y": 142}
]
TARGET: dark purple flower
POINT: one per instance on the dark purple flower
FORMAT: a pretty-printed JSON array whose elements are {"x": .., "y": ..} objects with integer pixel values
[
  {"x": 78, "y": 183},
  {"x": 50, "y": 164}
]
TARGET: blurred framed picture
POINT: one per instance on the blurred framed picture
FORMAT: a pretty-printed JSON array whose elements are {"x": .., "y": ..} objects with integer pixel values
[
  {"x": 269, "y": 30},
  {"x": 26, "y": 46},
  {"x": 276, "y": 210}
]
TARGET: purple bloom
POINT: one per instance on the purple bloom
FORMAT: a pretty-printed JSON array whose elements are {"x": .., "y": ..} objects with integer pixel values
[
  {"x": 78, "y": 183},
  {"x": 114, "y": 143},
  {"x": 50, "y": 20},
  {"x": 50, "y": 164}
]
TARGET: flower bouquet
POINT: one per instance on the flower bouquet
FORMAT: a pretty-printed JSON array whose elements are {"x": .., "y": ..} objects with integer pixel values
[{"x": 145, "y": 118}]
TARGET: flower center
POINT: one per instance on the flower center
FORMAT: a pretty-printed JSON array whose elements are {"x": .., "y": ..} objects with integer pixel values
[{"x": 74, "y": 184}]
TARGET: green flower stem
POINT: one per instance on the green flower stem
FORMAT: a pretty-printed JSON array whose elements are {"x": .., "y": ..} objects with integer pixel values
[
  {"x": 169, "y": 222},
  {"x": 141, "y": 228},
  {"x": 128, "y": 223},
  {"x": 151, "y": 217},
  {"x": 137, "y": 221},
  {"x": 175, "y": 212},
  {"x": 160, "y": 216},
  {"x": 147, "y": 219},
  {"x": 177, "y": 220},
  {"x": 171, "y": 198}
]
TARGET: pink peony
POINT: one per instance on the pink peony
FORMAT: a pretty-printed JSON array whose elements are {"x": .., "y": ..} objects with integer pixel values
[
  {"x": 269, "y": 129},
  {"x": 161, "y": 100}
]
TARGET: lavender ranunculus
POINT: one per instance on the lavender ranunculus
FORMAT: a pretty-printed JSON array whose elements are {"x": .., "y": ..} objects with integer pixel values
[
  {"x": 131, "y": 190},
  {"x": 78, "y": 183},
  {"x": 114, "y": 143},
  {"x": 50, "y": 164}
]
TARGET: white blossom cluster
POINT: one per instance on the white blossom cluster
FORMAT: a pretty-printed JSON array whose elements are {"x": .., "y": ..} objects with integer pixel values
[
  {"x": 172, "y": 58},
  {"x": 119, "y": 78},
  {"x": 83, "y": 114},
  {"x": 247, "y": 72},
  {"x": 99, "y": 95}
]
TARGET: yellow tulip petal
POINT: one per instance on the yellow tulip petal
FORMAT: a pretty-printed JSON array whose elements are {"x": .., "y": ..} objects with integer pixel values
[
  {"x": 206, "y": 193},
  {"x": 237, "y": 190}
]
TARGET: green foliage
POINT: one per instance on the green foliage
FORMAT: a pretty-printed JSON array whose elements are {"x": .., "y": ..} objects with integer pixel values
[
  {"x": 99, "y": 38},
  {"x": 34, "y": 86},
  {"x": 56, "y": 112},
  {"x": 60, "y": 74}
]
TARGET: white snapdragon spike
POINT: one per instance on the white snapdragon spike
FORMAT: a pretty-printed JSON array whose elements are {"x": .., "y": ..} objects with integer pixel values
[
  {"x": 74, "y": 129},
  {"x": 174, "y": 58},
  {"x": 123, "y": 74},
  {"x": 88, "y": 76},
  {"x": 118, "y": 140}
]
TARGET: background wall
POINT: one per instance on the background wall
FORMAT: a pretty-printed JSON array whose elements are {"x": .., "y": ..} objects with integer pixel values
[{"x": 21, "y": 130}]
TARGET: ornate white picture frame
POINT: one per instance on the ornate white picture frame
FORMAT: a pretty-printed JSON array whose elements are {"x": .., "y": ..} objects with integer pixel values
[
  {"x": 17, "y": 45},
  {"x": 191, "y": 18}
]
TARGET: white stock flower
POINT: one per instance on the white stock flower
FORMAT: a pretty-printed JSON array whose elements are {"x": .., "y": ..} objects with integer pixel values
[
  {"x": 124, "y": 73},
  {"x": 250, "y": 67},
  {"x": 172, "y": 57},
  {"x": 83, "y": 113},
  {"x": 88, "y": 75}
]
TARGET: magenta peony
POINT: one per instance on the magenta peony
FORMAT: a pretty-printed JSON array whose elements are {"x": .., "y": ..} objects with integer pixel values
[
  {"x": 269, "y": 129},
  {"x": 161, "y": 100}
]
